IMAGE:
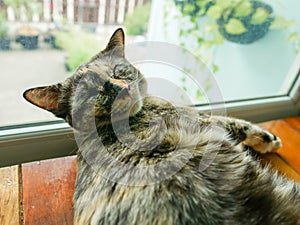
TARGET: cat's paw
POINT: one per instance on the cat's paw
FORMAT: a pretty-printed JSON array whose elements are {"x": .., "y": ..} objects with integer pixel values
[{"x": 263, "y": 141}]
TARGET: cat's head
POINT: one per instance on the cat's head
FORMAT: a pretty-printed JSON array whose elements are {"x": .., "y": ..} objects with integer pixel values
[{"x": 106, "y": 85}]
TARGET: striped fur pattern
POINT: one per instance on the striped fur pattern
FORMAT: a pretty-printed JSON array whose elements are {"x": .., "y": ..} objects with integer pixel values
[{"x": 175, "y": 166}]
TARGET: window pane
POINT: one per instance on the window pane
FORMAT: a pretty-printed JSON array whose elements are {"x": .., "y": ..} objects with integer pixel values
[
  {"x": 20, "y": 71},
  {"x": 49, "y": 39},
  {"x": 250, "y": 45},
  {"x": 81, "y": 28}
]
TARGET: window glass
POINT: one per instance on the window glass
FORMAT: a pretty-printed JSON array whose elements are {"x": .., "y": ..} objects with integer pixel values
[
  {"x": 250, "y": 47},
  {"x": 43, "y": 41}
]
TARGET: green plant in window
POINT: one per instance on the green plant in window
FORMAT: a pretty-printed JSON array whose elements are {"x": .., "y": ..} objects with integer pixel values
[
  {"x": 136, "y": 23},
  {"x": 239, "y": 21},
  {"x": 294, "y": 35}
]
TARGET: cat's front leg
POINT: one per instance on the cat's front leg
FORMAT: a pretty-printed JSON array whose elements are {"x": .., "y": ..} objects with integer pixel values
[{"x": 249, "y": 134}]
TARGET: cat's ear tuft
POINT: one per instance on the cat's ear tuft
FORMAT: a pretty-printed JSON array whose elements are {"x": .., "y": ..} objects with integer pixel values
[
  {"x": 116, "y": 43},
  {"x": 47, "y": 98}
]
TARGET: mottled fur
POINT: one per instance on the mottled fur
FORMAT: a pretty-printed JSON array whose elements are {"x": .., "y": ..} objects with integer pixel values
[{"x": 157, "y": 178}]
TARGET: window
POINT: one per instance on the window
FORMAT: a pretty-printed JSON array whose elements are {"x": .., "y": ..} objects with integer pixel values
[
  {"x": 258, "y": 69},
  {"x": 252, "y": 47},
  {"x": 257, "y": 81}
]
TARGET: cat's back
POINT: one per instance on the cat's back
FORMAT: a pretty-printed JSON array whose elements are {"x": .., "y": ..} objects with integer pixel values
[{"x": 150, "y": 173}]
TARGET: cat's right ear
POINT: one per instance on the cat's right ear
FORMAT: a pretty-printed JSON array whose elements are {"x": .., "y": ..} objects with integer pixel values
[
  {"x": 47, "y": 98},
  {"x": 116, "y": 43}
]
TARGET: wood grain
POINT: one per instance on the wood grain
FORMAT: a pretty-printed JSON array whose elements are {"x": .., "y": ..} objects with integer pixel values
[
  {"x": 294, "y": 123},
  {"x": 48, "y": 188},
  {"x": 277, "y": 163},
  {"x": 9, "y": 196},
  {"x": 290, "y": 150},
  {"x": 289, "y": 132}
]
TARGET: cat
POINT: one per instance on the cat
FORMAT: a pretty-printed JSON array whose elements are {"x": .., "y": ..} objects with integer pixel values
[{"x": 139, "y": 158}]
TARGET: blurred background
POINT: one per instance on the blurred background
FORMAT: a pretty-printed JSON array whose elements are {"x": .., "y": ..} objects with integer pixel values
[{"x": 250, "y": 46}]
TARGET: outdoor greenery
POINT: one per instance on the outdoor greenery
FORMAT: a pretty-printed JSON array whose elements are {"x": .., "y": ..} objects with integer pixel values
[
  {"x": 136, "y": 22},
  {"x": 3, "y": 26},
  {"x": 80, "y": 47},
  {"x": 239, "y": 21}
]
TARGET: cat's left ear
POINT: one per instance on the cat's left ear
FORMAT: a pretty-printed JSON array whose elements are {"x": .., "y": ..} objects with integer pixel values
[
  {"x": 116, "y": 43},
  {"x": 47, "y": 98}
]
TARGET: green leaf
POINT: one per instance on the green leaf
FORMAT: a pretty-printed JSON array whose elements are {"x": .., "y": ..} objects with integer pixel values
[
  {"x": 207, "y": 45},
  {"x": 193, "y": 19},
  {"x": 224, "y": 3},
  {"x": 215, "y": 68},
  {"x": 281, "y": 22},
  {"x": 235, "y": 27},
  {"x": 199, "y": 95},
  {"x": 210, "y": 27},
  {"x": 294, "y": 37},
  {"x": 189, "y": 8},
  {"x": 200, "y": 40},
  {"x": 183, "y": 79},
  {"x": 214, "y": 12},
  {"x": 243, "y": 9},
  {"x": 218, "y": 39},
  {"x": 260, "y": 16}
]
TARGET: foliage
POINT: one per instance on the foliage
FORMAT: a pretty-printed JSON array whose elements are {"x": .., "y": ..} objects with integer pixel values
[
  {"x": 294, "y": 35},
  {"x": 241, "y": 21},
  {"x": 3, "y": 26},
  {"x": 234, "y": 17},
  {"x": 136, "y": 22},
  {"x": 79, "y": 46}
]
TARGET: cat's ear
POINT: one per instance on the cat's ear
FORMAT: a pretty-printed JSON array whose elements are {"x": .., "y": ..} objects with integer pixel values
[
  {"x": 116, "y": 43},
  {"x": 47, "y": 98}
]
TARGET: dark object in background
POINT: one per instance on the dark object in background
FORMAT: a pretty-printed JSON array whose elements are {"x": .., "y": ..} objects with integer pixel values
[{"x": 254, "y": 31}]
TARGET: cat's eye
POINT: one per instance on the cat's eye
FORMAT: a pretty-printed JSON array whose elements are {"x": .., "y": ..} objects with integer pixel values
[{"x": 125, "y": 72}]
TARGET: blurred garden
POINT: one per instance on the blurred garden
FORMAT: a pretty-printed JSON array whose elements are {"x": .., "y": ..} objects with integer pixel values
[{"x": 44, "y": 41}]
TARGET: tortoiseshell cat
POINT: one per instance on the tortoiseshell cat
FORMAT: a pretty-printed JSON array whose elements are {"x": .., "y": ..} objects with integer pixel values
[{"x": 150, "y": 173}]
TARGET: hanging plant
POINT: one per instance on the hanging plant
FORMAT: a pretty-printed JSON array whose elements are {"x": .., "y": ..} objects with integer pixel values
[
  {"x": 193, "y": 7},
  {"x": 247, "y": 22},
  {"x": 238, "y": 21}
]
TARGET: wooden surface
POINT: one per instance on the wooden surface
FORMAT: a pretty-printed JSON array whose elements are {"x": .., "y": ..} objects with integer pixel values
[
  {"x": 9, "y": 196},
  {"x": 287, "y": 159},
  {"x": 48, "y": 188},
  {"x": 40, "y": 193}
]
